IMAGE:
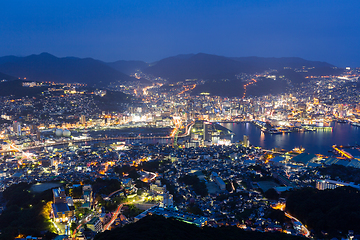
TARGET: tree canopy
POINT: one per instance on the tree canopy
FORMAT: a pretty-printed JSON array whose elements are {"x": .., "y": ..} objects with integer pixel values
[
  {"x": 158, "y": 227},
  {"x": 330, "y": 211}
]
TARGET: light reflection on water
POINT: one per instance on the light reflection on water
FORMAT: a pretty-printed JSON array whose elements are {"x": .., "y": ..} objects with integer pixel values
[{"x": 314, "y": 142}]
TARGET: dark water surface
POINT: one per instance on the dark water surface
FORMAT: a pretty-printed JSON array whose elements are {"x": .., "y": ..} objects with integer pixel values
[{"x": 314, "y": 142}]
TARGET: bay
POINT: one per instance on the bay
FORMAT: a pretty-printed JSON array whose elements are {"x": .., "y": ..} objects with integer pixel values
[{"x": 314, "y": 142}]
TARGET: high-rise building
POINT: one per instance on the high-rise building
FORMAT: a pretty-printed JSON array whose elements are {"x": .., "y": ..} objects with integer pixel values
[
  {"x": 38, "y": 135},
  {"x": 17, "y": 128},
  {"x": 83, "y": 119},
  {"x": 207, "y": 131},
  {"x": 33, "y": 129},
  {"x": 246, "y": 142}
]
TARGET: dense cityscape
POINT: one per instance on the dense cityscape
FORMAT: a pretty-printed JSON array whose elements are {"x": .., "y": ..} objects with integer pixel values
[{"x": 165, "y": 152}]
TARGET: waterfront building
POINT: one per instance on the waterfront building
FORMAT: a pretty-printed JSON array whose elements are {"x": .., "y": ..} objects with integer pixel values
[
  {"x": 304, "y": 159},
  {"x": 246, "y": 142}
]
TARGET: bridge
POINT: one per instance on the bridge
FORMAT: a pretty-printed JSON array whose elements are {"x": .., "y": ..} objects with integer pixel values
[
  {"x": 15, "y": 148},
  {"x": 342, "y": 152}
]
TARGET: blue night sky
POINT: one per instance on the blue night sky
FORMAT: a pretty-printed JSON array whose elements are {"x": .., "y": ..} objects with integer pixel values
[{"x": 324, "y": 30}]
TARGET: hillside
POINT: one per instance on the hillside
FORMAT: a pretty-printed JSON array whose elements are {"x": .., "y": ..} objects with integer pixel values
[
  {"x": 24, "y": 212},
  {"x": 266, "y": 86},
  {"x": 280, "y": 63},
  {"x": 15, "y": 88},
  {"x": 128, "y": 67},
  {"x": 46, "y": 67},
  {"x": 328, "y": 211},
  {"x": 113, "y": 101},
  {"x": 226, "y": 88},
  {"x": 218, "y": 71},
  {"x": 4, "y": 76},
  {"x": 158, "y": 227}
]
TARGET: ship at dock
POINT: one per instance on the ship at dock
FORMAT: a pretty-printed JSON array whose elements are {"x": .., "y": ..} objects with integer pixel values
[{"x": 290, "y": 127}]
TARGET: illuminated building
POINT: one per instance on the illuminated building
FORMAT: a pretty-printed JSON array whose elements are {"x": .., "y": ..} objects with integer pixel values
[
  {"x": 246, "y": 142},
  {"x": 17, "y": 128},
  {"x": 331, "y": 184},
  {"x": 316, "y": 101},
  {"x": 207, "y": 131},
  {"x": 167, "y": 200},
  {"x": 95, "y": 224},
  {"x": 87, "y": 196},
  {"x": 82, "y": 120},
  {"x": 157, "y": 189},
  {"x": 62, "y": 210}
]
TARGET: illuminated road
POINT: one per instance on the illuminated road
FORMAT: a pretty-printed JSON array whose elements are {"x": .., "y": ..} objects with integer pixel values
[
  {"x": 188, "y": 129},
  {"x": 153, "y": 175},
  {"x": 78, "y": 227},
  {"x": 307, "y": 232},
  {"x": 114, "y": 192},
  {"x": 187, "y": 88},
  {"x": 245, "y": 86},
  {"x": 107, "y": 226}
]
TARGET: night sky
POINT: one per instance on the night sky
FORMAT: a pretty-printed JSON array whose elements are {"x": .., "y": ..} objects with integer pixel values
[{"x": 110, "y": 30}]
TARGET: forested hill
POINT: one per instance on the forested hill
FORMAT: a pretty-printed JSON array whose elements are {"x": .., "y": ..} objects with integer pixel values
[
  {"x": 4, "y": 76},
  {"x": 46, "y": 67},
  {"x": 157, "y": 227}
]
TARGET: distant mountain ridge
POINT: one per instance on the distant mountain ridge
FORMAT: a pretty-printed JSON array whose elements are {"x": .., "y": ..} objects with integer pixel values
[
  {"x": 213, "y": 67},
  {"x": 46, "y": 67}
]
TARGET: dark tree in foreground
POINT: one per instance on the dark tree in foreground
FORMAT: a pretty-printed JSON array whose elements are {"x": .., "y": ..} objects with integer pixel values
[
  {"x": 330, "y": 211},
  {"x": 158, "y": 227}
]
